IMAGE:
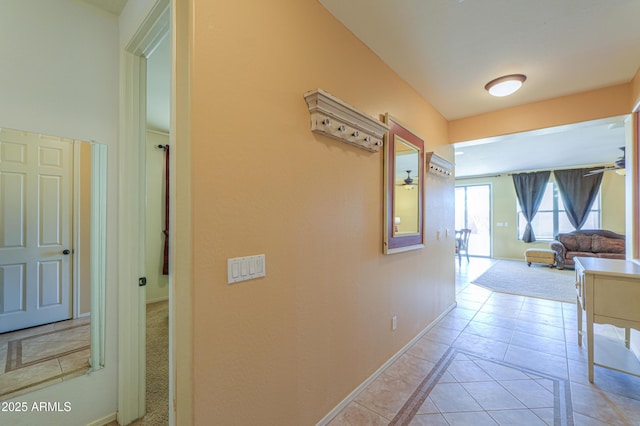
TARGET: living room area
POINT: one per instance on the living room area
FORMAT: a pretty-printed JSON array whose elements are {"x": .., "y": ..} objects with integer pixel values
[
  {"x": 582, "y": 185},
  {"x": 491, "y": 204},
  {"x": 486, "y": 199}
]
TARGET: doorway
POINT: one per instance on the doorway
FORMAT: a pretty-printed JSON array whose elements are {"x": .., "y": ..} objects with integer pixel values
[
  {"x": 157, "y": 157},
  {"x": 133, "y": 162},
  {"x": 473, "y": 211}
]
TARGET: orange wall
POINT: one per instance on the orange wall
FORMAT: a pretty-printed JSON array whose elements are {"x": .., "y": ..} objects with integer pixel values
[
  {"x": 585, "y": 106},
  {"x": 287, "y": 348}
]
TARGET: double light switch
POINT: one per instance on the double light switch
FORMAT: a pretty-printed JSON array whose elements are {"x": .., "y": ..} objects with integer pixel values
[{"x": 245, "y": 268}]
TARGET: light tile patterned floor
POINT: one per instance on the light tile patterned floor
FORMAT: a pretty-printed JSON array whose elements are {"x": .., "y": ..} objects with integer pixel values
[
  {"x": 40, "y": 356},
  {"x": 497, "y": 359}
]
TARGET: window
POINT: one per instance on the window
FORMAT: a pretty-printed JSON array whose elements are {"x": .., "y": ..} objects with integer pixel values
[{"x": 552, "y": 219}]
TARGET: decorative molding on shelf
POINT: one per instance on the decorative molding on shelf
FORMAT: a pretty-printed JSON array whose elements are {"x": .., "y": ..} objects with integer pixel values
[
  {"x": 438, "y": 165},
  {"x": 334, "y": 118}
]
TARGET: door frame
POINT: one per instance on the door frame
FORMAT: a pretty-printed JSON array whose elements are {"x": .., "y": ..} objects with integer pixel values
[
  {"x": 132, "y": 210},
  {"x": 131, "y": 299},
  {"x": 181, "y": 295},
  {"x": 76, "y": 243}
]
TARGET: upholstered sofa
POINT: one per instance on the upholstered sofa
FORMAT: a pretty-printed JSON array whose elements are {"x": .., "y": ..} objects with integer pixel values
[{"x": 587, "y": 243}]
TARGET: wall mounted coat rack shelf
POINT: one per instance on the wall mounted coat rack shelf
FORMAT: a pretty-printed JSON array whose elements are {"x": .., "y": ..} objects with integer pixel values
[
  {"x": 334, "y": 118},
  {"x": 438, "y": 165}
]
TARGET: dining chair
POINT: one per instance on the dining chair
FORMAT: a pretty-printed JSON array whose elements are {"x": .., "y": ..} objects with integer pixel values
[{"x": 462, "y": 243}]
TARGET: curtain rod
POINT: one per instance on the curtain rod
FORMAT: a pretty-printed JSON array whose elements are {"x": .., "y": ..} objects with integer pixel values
[
  {"x": 477, "y": 177},
  {"x": 588, "y": 166}
]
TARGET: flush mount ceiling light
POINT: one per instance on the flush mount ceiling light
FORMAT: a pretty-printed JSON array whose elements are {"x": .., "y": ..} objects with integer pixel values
[{"x": 505, "y": 85}]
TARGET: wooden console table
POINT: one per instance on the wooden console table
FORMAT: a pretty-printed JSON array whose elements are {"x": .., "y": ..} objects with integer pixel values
[{"x": 609, "y": 291}]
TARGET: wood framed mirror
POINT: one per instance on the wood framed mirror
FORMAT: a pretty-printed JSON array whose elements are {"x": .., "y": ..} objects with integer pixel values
[{"x": 404, "y": 189}]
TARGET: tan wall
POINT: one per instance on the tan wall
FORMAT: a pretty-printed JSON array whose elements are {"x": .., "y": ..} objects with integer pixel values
[
  {"x": 613, "y": 201},
  {"x": 506, "y": 244},
  {"x": 405, "y": 209},
  {"x": 585, "y": 106},
  {"x": 633, "y": 154},
  {"x": 287, "y": 348},
  {"x": 85, "y": 228}
]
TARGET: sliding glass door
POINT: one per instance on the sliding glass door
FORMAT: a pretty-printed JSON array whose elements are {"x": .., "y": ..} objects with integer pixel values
[{"x": 473, "y": 211}]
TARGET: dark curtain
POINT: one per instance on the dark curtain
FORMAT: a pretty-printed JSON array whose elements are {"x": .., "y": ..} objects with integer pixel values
[
  {"x": 578, "y": 193},
  {"x": 530, "y": 190}
]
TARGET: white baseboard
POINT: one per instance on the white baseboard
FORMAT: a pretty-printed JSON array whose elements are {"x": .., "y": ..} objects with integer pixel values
[
  {"x": 103, "y": 421},
  {"x": 334, "y": 412},
  {"x": 158, "y": 299}
]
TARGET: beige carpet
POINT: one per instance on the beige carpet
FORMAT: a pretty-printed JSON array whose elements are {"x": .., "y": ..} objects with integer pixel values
[
  {"x": 157, "y": 365},
  {"x": 516, "y": 277}
]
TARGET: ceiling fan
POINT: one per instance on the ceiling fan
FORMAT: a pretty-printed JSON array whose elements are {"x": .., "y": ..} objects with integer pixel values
[
  {"x": 408, "y": 181},
  {"x": 617, "y": 165}
]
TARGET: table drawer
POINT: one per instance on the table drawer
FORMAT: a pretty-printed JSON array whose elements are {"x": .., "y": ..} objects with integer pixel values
[{"x": 617, "y": 298}]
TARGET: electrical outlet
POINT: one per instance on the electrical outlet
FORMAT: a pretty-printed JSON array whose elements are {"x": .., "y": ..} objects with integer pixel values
[{"x": 394, "y": 322}]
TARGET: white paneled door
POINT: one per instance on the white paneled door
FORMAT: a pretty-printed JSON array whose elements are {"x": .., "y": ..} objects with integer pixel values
[{"x": 35, "y": 229}]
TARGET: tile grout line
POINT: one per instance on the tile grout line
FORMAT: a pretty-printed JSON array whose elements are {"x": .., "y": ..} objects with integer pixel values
[
  {"x": 417, "y": 398},
  {"x": 563, "y": 412}
]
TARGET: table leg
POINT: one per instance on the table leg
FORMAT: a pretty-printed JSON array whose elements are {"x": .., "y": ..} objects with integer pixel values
[
  {"x": 579, "y": 315},
  {"x": 627, "y": 337},
  {"x": 590, "y": 345}
]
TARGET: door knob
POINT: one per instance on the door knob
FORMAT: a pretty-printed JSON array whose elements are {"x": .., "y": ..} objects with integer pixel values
[{"x": 66, "y": 251}]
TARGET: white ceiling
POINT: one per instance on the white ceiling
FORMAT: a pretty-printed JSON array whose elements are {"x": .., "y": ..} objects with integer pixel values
[
  {"x": 112, "y": 6},
  {"x": 594, "y": 143},
  {"x": 447, "y": 50}
]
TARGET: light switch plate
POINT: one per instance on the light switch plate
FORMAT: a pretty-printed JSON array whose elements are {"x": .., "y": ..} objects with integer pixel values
[{"x": 245, "y": 268}]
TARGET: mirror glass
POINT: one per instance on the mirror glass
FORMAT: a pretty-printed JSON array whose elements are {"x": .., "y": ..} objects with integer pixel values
[
  {"x": 52, "y": 259},
  {"x": 404, "y": 189},
  {"x": 407, "y": 188}
]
